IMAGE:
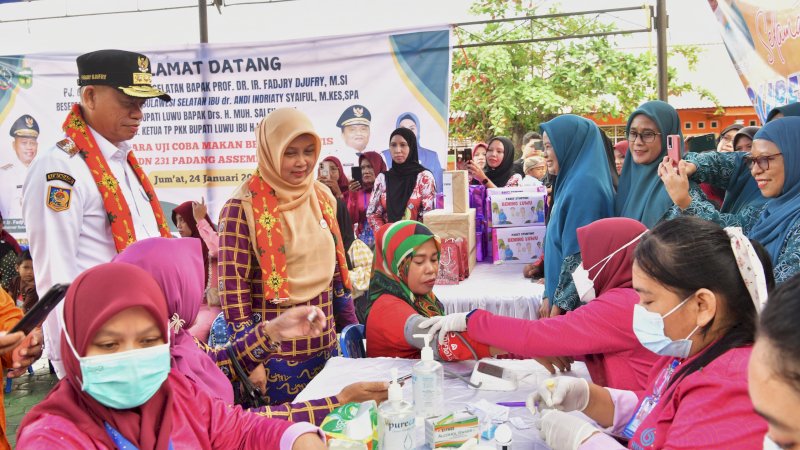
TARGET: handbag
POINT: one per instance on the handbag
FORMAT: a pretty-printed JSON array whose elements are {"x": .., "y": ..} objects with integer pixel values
[{"x": 247, "y": 394}]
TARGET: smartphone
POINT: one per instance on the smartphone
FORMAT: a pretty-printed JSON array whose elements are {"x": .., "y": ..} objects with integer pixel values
[
  {"x": 538, "y": 145},
  {"x": 702, "y": 143},
  {"x": 493, "y": 370},
  {"x": 466, "y": 155},
  {"x": 323, "y": 171},
  {"x": 41, "y": 309},
  {"x": 355, "y": 174},
  {"x": 674, "y": 148}
]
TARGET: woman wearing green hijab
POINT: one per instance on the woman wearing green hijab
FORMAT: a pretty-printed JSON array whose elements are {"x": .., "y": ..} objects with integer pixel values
[
  {"x": 401, "y": 296},
  {"x": 641, "y": 194}
]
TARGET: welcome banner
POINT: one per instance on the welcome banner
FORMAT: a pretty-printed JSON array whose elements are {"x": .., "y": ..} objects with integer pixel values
[
  {"x": 203, "y": 142},
  {"x": 763, "y": 40}
]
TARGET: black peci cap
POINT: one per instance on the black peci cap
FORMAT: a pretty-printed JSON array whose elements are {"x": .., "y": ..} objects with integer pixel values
[
  {"x": 354, "y": 115},
  {"x": 128, "y": 71},
  {"x": 25, "y": 126}
]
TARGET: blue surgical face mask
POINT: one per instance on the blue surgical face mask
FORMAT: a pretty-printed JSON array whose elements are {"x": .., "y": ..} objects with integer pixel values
[
  {"x": 649, "y": 329},
  {"x": 124, "y": 380}
]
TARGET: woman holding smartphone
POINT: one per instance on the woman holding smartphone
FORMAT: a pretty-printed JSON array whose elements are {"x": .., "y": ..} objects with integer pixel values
[
  {"x": 371, "y": 165},
  {"x": 640, "y": 194}
]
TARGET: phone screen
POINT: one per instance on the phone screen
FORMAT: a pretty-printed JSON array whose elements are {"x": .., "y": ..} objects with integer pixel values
[
  {"x": 490, "y": 369},
  {"x": 323, "y": 170},
  {"x": 355, "y": 173},
  {"x": 41, "y": 309},
  {"x": 466, "y": 155}
]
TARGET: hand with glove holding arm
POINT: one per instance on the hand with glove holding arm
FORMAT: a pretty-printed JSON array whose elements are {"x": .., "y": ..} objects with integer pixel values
[{"x": 455, "y": 322}]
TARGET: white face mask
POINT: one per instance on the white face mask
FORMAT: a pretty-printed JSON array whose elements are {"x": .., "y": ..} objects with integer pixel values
[
  {"x": 583, "y": 284},
  {"x": 769, "y": 444},
  {"x": 649, "y": 329}
]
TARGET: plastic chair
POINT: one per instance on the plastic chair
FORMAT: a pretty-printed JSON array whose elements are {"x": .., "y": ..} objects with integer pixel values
[{"x": 351, "y": 341}]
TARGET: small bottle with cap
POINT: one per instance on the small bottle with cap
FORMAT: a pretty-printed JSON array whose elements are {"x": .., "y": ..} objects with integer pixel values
[{"x": 428, "y": 379}]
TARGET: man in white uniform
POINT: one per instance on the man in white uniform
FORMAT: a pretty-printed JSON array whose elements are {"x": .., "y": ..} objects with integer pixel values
[
  {"x": 25, "y": 132},
  {"x": 86, "y": 198}
]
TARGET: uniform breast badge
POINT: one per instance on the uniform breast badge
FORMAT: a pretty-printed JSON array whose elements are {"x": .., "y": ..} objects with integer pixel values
[
  {"x": 58, "y": 198},
  {"x": 68, "y": 146}
]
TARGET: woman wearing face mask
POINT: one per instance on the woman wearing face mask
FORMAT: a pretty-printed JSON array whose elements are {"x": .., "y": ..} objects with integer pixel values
[
  {"x": 583, "y": 191},
  {"x": 774, "y": 370},
  {"x": 771, "y": 216},
  {"x": 280, "y": 247},
  {"x": 401, "y": 296},
  {"x": 600, "y": 332},
  {"x": 210, "y": 368},
  {"x": 701, "y": 288},
  {"x": 640, "y": 193},
  {"x": 499, "y": 169},
  {"x": 119, "y": 390},
  {"x": 371, "y": 165},
  {"x": 406, "y": 191}
]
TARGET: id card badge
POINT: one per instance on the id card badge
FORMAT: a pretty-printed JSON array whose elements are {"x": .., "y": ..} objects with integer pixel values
[{"x": 644, "y": 410}]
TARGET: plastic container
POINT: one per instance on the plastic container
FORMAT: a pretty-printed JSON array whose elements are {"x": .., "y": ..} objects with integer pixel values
[
  {"x": 428, "y": 381},
  {"x": 395, "y": 420}
]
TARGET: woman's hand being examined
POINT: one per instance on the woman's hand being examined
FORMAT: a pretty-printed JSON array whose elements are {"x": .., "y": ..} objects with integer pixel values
[{"x": 364, "y": 391}]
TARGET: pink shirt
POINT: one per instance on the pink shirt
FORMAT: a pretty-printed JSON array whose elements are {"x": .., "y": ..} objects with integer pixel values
[
  {"x": 709, "y": 409},
  {"x": 599, "y": 332}
]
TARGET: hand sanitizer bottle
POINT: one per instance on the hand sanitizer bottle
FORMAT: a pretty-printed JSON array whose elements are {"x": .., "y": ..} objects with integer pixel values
[
  {"x": 395, "y": 420},
  {"x": 428, "y": 380}
]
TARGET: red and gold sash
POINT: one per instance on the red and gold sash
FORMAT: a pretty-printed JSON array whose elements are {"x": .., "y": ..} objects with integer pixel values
[
  {"x": 269, "y": 239},
  {"x": 118, "y": 213}
]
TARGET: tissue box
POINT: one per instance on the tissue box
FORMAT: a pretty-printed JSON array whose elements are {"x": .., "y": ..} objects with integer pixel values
[
  {"x": 354, "y": 422},
  {"x": 520, "y": 245},
  {"x": 456, "y": 191},
  {"x": 515, "y": 210},
  {"x": 451, "y": 430},
  {"x": 454, "y": 225}
]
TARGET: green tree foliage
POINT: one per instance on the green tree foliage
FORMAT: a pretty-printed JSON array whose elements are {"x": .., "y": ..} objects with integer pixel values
[{"x": 510, "y": 89}]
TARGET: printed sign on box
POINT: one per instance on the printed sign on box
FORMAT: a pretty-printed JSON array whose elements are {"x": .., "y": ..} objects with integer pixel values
[
  {"x": 515, "y": 210},
  {"x": 518, "y": 245}
]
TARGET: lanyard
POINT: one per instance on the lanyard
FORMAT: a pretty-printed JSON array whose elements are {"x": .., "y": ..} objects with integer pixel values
[{"x": 650, "y": 401}]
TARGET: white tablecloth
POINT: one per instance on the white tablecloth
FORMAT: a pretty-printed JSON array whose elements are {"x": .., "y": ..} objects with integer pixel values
[
  {"x": 340, "y": 372},
  {"x": 499, "y": 289}
]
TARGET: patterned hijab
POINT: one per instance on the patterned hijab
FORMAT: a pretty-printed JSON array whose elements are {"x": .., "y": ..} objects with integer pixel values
[{"x": 395, "y": 244}]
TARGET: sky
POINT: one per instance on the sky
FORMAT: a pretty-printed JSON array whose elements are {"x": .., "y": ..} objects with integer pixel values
[{"x": 691, "y": 22}]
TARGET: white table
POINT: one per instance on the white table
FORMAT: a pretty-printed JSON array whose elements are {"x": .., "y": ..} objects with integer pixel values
[
  {"x": 340, "y": 372},
  {"x": 498, "y": 288}
]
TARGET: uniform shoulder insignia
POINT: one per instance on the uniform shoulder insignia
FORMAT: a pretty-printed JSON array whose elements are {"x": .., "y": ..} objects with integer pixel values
[
  {"x": 68, "y": 146},
  {"x": 6, "y": 166}
]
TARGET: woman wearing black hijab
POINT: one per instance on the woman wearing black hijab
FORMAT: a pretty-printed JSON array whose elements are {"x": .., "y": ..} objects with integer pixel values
[
  {"x": 499, "y": 165},
  {"x": 407, "y": 190}
]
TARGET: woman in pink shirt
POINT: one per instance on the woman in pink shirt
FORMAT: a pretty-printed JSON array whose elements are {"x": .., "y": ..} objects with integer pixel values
[
  {"x": 599, "y": 332},
  {"x": 774, "y": 371},
  {"x": 700, "y": 289}
]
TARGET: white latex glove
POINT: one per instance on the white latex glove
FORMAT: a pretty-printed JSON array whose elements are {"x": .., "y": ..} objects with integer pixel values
[
  {"x": 561, "y": 393},
  {"x": 444, "y": 324},
  {"x": 563, "y": 431}
]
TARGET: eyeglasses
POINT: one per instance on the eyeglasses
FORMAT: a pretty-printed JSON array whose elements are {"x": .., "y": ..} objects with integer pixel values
[
  {"x": 647, "y": 136},
  {"x": 762, "y": 161}
]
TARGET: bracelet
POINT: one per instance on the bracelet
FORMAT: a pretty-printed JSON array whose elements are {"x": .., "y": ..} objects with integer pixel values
[{"x": 270, "y": 345}]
